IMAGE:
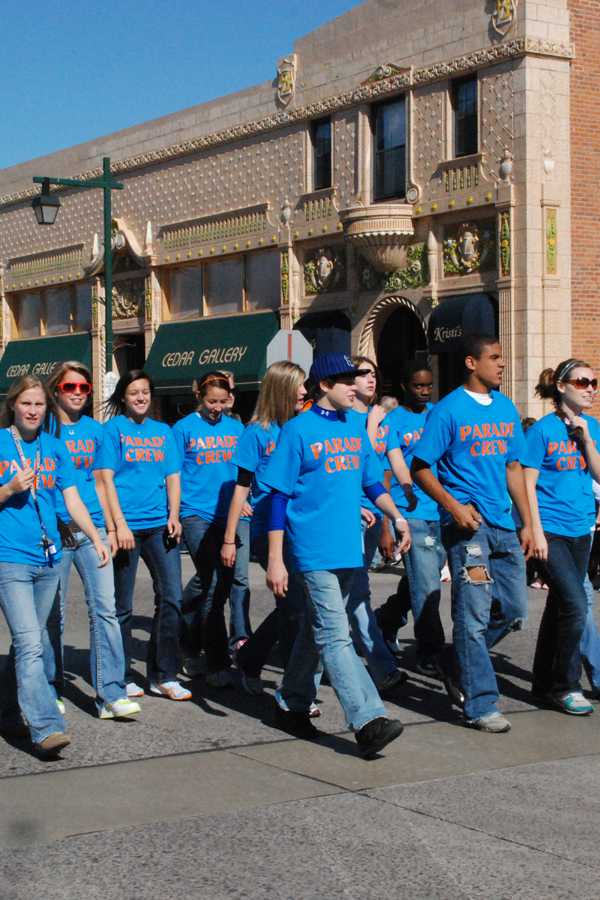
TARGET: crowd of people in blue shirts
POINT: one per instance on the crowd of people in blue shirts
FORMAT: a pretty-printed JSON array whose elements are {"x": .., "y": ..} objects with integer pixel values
[{"x": 320, "y": 478}]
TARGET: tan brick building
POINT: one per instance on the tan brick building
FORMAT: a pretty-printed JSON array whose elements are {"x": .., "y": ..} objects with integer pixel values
[{"x": 415, "y": 169}]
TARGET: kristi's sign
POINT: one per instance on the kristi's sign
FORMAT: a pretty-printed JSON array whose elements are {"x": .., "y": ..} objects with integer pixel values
[
  {"x": 442, "y": 334},
  {"x": 210, "y": 356}
]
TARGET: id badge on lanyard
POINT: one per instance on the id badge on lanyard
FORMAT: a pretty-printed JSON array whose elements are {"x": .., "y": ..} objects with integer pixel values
[{"x": 47, "y": 544}]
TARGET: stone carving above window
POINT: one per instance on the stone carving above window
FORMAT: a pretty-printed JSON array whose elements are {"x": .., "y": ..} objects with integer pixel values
[
  {"x": 44, "y": 268},
  {"x": 386, "y": 70},
  {"x": 128, "y": 298},
  {"x": 286, "y": 79},
  {"x": 324, "y": 270},
  {"x": 414, "y": 274},
  {"x": 504, "y": 16},
  {"x": 470, "y": 247}
]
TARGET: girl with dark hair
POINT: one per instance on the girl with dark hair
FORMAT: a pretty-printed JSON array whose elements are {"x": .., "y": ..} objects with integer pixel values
[
  {"x": 71, "y": 388},
  {"x": 206, "y": 440},
  {"x": 34, "y": 467},
  {"x": 140, "y": 467},
  {"x": 561, "y": 459}
]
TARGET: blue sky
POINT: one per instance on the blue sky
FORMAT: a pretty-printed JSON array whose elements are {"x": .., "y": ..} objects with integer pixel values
[{"x": 77, "y": 69}]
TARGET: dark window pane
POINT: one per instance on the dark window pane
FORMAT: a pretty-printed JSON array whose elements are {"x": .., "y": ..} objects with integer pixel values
[
  {"x": 464, "y": 102},
  {"x": 321, "y": 141},
  {"x": 185, "y": 295},
  {"x": 262, "y": 280},
  {"x": 390, "y": 150},
  {"x": 224, "y": 292}
]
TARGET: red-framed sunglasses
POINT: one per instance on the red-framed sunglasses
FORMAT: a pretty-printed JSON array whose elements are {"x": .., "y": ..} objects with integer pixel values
[{"x": 75, "y": 387}]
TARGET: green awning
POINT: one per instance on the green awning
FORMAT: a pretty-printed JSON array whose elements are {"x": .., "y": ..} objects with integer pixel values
[
  {"x": 186, "y": 350},
  {"x": 39, "y": 356}
]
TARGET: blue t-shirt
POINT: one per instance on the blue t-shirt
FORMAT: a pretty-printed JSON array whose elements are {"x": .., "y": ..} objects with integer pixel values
[
  {"x": 82, "y": 441},
  {"x": 20, "y": 529},
  {"x": 322, "y": 464},
  {"x": 253, "y": 451},
  {"x": 405, "y": 430},
  {"x": 472, "y": 445},
  {"x": 141, "y": 456},
  {"x": 564, "y": 486},
  {"x": 380, "y": 448},
  {"x": 207, "y": 471}
]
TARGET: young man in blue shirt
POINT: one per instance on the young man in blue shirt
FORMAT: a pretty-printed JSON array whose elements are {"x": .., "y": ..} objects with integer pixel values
[
  {"x": 474, "y": 436},
  {"x": 322, "y": 463}
]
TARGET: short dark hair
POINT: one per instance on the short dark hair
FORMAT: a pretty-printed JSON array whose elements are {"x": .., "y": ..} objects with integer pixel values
[
  {"x": 412, "y": 367},
  {"x": 474, "y": 344}
]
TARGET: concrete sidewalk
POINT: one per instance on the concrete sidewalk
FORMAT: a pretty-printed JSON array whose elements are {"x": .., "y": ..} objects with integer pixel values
[{"x": 209, "y": 799}]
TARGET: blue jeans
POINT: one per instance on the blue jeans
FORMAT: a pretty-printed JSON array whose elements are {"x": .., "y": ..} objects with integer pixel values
[
  {"x": 205, "y": 593},
  {"x": 557, "y": 661},
  {"x": 483, "y": 611},
  {"x": 327, "y": 596},
  {"x": 26, "y": 597},
  {"x": 239, "y": 594},
  {"x": 107, "y": 661},
  {"x": 363, "y": 624},
  {"x": 423, "y": 563},
  {"x": 590, "y": 639},
  {"x": 164, "y": 565}
]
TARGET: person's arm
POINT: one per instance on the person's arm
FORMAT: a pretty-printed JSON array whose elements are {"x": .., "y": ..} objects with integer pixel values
[
  {"x": 374, "y": 419},
  {"x": 78, "y": 512},
  {"x": 108, "y": 519},
  {"x": 402, "y": 475},
  {"x": 238, "y": 501},
  {"x": 518, "y": 492},
  {"x": 385, "y": 503},
  {"x": 539, "y": 542},
  {"x": 277, "y": 575},
  {"x": 125, "y": 538},
  {"x": 173, "y": 482},
  {"x": 465, "y": 516},
  {"x": 386, "y": 539}
]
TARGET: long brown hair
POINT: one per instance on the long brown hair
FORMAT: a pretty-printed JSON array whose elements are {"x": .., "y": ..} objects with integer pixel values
[
  {"x": 25, "y": 383},
  {"x": 69, "y": 365},
  {"x": 360, "y": 362},
  {"x": 278, "y": 394},
  {"x": 546, "y": 388}
]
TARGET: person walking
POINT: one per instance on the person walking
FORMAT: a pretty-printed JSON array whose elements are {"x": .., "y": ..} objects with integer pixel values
[
  {"x": 319, "y": 468},
  {"x": 560, "y": 462},
  {"x": 34, "y": 467},
  {"x": 71, "y": 388},
  {"x": 474, "y": 437},
  {"x": 139, "y": 464}
]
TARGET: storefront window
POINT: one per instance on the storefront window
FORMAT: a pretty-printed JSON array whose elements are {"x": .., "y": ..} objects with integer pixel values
[
  {"x": 262, "y": 280},
  {"x": 224, "y": 287},
  {"x": 185, "y": 294},
  {"x": 58, "y": 310},
  {"x": 83, "y": 307},
  {"x": 30, "y": 315}
]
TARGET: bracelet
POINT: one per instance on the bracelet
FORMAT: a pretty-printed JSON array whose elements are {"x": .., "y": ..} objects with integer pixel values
[
  {"x": 400, "y": 519},
  {"x": 229, "y": 542},
  {"x": 110, "y": 531},
  {"x": 120, "y": 519}
]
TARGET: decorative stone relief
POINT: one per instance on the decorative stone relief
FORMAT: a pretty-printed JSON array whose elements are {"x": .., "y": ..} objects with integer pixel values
[
  {"x": 428, "y": 135},
  {"x": 344, "y": 158},
  {"x": 238, "y": 223},
  {"x": 324, "y": 271},
  {"x": 497, "y": 123},
  {"x": 469, "y": 247},
  {"x": 45, "y": 268},
  {"x": 128, "y": 298},
  {"x": 286, "y": 79},
  {"x": 386, "y": 70},
  {"x": 414, "y": 275},
  {"x": 504, "y": 16},
  {"x": 551, "y": 241},
  {"x": 505, "y": 244},
  {"x": 285, "y": 277},
  {"x": 96, "y": 301}
]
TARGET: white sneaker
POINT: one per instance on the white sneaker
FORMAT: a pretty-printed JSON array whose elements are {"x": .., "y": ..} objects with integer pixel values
[
  {"x": 221, "y": 679},
  {"x": 134, "y": 690},
  {"x": 172, "y": 690},
  {"x": 123, "y": 708}
]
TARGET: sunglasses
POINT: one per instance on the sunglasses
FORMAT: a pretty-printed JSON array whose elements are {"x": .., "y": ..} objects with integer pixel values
[
  {"x": 583, "y": 383},
  {"x": 75, "y": 387}
]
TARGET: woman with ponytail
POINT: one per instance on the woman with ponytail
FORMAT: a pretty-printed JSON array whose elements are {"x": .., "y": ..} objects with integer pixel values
[{"x": 560, "y": 461}]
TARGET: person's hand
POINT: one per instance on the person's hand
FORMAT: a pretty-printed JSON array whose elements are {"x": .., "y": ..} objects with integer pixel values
[
  {"x": 228, "y": 554},
  {"x": 174, "y": 529},
  {"x": 22, "y": 481},
  {"x": 403, "y": 536},
  {"x": 367, "y": 516},
  {"x": 527, "y": 542},
  {"x": 277, "y": 578},
  {"x": 466, "y": 517},
  {"x": 410, "y": 495},
  {"x": 103, "y": 553},
  {"x": 578, "y": 423},
  {"x": 125, "y": 538},
  {"x": 247, "y": 511},
  {"x": 377, "y": 414},
  {"x": 387, "y": 546},
  {"x": 539, "y": 544},
  {"x": 113, "y": 543}
]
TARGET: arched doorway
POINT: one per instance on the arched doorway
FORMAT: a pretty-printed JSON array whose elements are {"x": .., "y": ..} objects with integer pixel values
[{"x": 394, "y": 333}]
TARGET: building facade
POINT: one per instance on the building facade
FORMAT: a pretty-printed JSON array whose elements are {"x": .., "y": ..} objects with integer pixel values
[{"x": 414, "y": 171}]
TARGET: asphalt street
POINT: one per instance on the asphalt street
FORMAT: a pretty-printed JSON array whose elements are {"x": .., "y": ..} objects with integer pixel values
[{"x": 208, "y": 800}]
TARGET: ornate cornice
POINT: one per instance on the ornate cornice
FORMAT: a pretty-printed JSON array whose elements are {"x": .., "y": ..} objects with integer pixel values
[{"x": 367, "y": 92}]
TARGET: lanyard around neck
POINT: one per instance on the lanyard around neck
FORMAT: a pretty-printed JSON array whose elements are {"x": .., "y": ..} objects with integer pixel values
[{"x": 37, "y": 459}]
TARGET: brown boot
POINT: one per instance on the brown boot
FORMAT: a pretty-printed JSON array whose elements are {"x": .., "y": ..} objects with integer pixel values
[{"x": 53, "y": 744}]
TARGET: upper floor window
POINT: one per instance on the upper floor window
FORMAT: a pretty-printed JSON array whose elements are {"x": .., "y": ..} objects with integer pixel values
[
  {"x": 185, "y": 292},
  {"x": 464, "y": 111},
  {"x": 52, "y": 311},
  {"x": 321, "y": 148},
  {"x": 389, "y": 149}
]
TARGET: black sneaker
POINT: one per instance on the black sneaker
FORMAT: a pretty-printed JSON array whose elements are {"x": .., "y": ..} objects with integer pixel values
[
  {"x": 376, "y": 735},
  {"x": 454, "y": 692},
  {"x": 429, "y": 666},
  {"x": 297, "y": 724}
]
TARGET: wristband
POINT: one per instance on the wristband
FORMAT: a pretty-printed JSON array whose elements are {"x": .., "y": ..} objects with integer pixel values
[
  {"x": 402, "y": 520},
  {"x": 110, "y": 531},
  {"x": 229, "y": 542}
]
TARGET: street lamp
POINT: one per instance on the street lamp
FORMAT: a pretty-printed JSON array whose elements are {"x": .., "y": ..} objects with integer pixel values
[{"x": 46, "y": 208}]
